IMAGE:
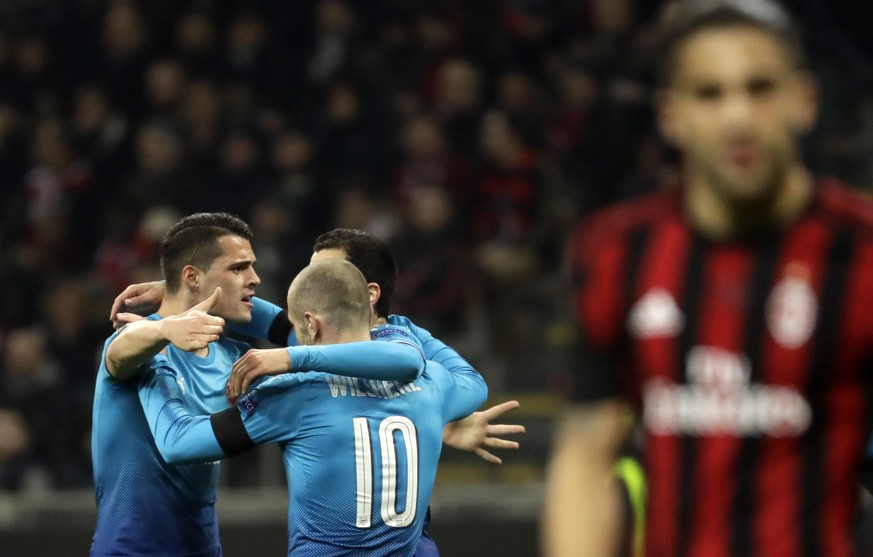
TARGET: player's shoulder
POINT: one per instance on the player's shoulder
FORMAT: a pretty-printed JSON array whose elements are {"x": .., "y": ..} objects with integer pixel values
[
  {"x": 283, "y": 382},
  {"x": 395, "y": 333},
  {"x": 617, "y": 220},
  {"x": 273, "y": 385},
  {"x": 400, "y": 321},
  {"x": 845, "y": 204},
  {"x": 395, "y": 320},
  {"x": 275, "y": 389}
]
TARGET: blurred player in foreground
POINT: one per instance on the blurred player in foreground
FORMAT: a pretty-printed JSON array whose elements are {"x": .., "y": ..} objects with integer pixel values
[{"x": 732, "y": 312}]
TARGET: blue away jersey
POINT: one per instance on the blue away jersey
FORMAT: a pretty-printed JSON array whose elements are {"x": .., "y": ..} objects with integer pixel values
[
  {"x": 360, "y": 455},
  {"x": 144, "y": 505},
  {"x": 265, "y": 313}
]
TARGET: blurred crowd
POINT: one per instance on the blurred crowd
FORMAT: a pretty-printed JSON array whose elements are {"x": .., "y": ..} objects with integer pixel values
[{"x": 469, "y": 135}]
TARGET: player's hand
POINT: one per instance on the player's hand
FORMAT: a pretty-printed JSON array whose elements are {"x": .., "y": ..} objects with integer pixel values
[
  {"x": 144, "y": 293},
  {"x": 253, "y": 364},
  {"x": 195, "y": 328},
  {"x": 124, "y": 318},
  {"x": 475, "y": 432}
]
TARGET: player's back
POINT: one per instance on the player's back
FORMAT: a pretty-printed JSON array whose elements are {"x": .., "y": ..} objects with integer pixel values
[
  {"x": 360, "y": 456},
  {"x": 146, "y": 506}
]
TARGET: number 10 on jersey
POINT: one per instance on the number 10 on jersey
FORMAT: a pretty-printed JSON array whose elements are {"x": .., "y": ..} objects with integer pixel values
[{"x": 364, "y": 471}]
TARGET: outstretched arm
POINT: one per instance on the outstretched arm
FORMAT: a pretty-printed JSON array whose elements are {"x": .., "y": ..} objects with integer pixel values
[{"x": 475, "y": 432}]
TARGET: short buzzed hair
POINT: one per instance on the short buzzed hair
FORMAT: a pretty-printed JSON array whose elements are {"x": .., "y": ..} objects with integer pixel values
[
  {"x": 333, "y": 288},
  {"x": 686, "y": 18},
  {"x": 194, "y": 241},
  {"x": 370, "y": 255}
]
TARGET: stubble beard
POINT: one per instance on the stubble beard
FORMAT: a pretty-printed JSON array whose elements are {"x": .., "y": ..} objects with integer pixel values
[{"x": 753, "y": 190}]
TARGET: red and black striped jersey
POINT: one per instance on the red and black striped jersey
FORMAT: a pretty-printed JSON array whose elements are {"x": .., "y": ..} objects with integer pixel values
[{"x": 749, "y": 362}]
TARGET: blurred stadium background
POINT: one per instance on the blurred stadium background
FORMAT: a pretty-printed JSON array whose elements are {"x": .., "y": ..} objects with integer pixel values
[{"x": 469, "y": 135}]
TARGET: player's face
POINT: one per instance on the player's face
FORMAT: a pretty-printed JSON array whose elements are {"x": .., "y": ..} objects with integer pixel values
[
  {"x": 735, "y": 107},
  {"x": 234, "y": 272}
]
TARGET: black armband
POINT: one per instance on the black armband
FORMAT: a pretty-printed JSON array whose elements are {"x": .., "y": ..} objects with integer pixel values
[
  {"x": 280, "y": 329},
  {"x": 230, "y": 432}
]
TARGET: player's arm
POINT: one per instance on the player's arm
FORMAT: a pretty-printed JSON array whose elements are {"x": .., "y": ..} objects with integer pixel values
[
  {"x": 463, "y": 393},
  {"x": 434, "y": 349},
  {"x": 582, "y": 512},
  {"x": 475, "y": 432},
  {"x": 263, "y": 416},
  {"x": 179, "y": 436},
  {"x": 269, "y": 321},
  {"x": 139, "y": 341},
  {"x": 149, "y": 294},
  {"x": 395, "y": 360}
]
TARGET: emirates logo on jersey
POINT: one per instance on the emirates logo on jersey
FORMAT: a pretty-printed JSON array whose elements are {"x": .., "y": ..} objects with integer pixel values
[
  {"x": 792, "y": 309},
  {"x": 721, "y": 399},
  {"x": 655, "y": 315}
]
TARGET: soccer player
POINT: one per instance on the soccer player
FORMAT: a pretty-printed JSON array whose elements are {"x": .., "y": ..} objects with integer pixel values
[
  {"x": 360, "y": 456},
  {"x": 146, "y": 506},
  {"x": 374, "y": 259},
  {"x": 732, "y": 312}
]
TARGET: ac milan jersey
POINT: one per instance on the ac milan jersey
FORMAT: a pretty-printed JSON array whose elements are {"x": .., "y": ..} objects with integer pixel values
[{"x": 749, "y": 361}]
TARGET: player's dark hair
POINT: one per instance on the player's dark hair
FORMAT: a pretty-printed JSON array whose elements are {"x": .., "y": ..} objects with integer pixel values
[
  {"x": 194, "y": 241},
  {"x": 688, "y": 17},
  {"x": 370, "y": 255}
]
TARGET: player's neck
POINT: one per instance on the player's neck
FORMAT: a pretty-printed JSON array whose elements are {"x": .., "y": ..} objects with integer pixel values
[
  {"x": 329, "y": 336},
  {"x": 717, "y": 217},
  {"x": 174, "y": 304}
]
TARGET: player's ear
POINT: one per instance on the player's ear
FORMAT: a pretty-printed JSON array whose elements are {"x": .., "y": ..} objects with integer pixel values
[
  {"x": 191, "y": 277},
  {"x": 375, "y": 292},
  {"x": 805, "y": 111},
  {"x": 313, "y": 326}
]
